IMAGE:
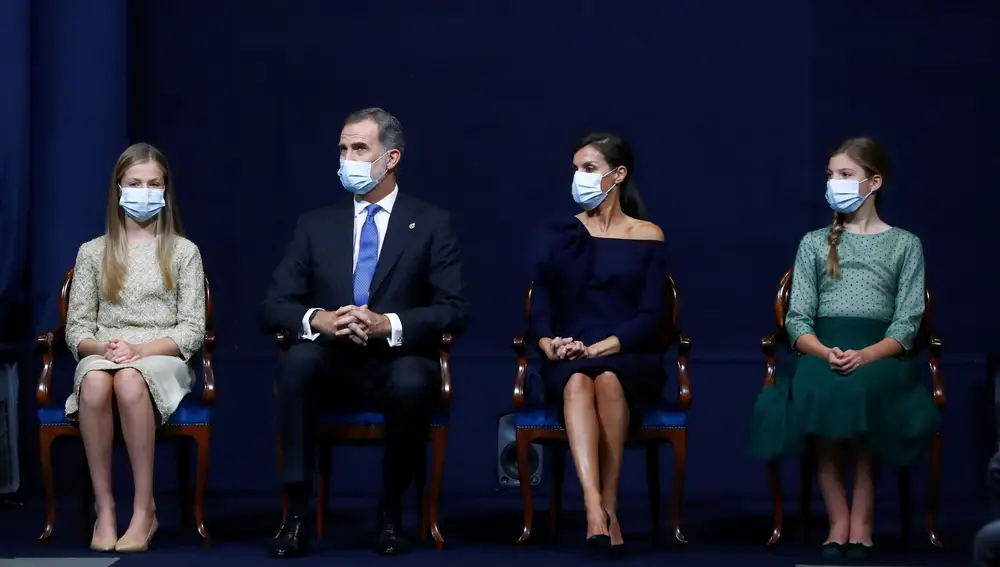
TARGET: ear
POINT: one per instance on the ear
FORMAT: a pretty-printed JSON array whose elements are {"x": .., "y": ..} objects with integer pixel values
[
  {"x": 392, "y": 159},
  {"x": 876, "y": 182},
  {"x": 620, "y": 173}
]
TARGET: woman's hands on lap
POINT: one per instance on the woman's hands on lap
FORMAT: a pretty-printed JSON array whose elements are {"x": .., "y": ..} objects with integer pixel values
[
  {"x": 563, "y": 348},
  {"x": 845, "y": 361},
  {"x": 121, "y": 352}
]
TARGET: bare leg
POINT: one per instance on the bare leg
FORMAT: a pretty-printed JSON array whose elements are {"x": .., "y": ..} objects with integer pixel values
[
  {"x": 863, "y": 499},
  {"x": 613, "y": 416},
  {"x": 139, "y": 429},
  {"x": 831, "y": 485},
  {"x": 97, "y": 429},
  {"x": 582, "y": 431}
]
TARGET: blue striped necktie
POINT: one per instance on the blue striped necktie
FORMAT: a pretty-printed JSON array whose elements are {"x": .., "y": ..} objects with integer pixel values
[{"x": 367, "y": 257}]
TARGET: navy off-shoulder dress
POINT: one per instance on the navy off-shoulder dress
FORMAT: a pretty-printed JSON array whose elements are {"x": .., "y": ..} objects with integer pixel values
[{"x": 590, "y": 288}]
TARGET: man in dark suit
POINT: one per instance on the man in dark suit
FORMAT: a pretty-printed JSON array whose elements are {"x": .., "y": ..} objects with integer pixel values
[{"x": 367, "y": 287}]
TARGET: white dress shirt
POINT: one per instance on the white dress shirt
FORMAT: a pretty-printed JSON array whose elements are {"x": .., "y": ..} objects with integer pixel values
[{"x": 395, "y": 337}]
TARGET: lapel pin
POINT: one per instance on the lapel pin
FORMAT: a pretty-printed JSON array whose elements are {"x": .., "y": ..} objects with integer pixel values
[{"x": 412, "y": 225}]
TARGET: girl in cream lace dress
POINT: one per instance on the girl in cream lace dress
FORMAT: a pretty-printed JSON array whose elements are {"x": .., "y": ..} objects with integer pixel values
[{"x": 136, "y": 317}]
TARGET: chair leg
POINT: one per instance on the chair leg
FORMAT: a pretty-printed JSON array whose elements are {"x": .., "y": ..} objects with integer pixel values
[
  {"x": 558, "y": 453},
  {"x": 774, "y": 479},
  {"x": 439, "y": 440},
  {"x": 679, "y": 442},
  {"x": 202, "y": 437},
  {"x": 284, "y": 496},
  {"x": 45, "y": 437},
  {"x": 653, "y": 485},
  {"x": 934, "y": 490},
  {"x": 807, "y": 465},
  {"x": 324, "y": 469},
  {"x": 184, "y": 481},
  {"x": 420, "y": 488},
  {"x": 903, "y": 488},
  {"x": 524, "y": 437}
]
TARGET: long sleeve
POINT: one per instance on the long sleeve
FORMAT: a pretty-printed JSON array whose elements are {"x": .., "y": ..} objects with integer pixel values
[
  {"x": 540, "y": 317},
  {"x": 286, "y": 301},
  {"x": 909, "y": 309},
  {"x": 189, "y": 332},
  {"x": 804, "y": 302},
  {"x": 449, "y": 309},
  {"x": 647, "y": 321},
  {"x": 84, "y": 298}
]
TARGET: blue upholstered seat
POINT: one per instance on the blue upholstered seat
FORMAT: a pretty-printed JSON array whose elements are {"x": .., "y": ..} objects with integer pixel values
[
  {"x": 190, "y": 413},
  {"x": 365, "y": 417},
  {"x": 664, "y": 416}
]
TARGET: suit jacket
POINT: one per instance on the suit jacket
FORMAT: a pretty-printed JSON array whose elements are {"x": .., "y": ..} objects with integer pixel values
[{"x": 418, "y": 275}]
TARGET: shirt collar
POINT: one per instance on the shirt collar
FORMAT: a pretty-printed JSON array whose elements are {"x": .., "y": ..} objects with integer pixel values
[{"x": 386, "y": 203}]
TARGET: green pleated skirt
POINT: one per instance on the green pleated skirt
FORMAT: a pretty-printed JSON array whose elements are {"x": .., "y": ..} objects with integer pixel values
[{"x": 885, "y": 403}]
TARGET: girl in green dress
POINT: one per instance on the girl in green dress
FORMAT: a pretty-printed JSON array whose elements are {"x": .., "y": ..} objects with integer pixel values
[{"x": 856, "y": 305}]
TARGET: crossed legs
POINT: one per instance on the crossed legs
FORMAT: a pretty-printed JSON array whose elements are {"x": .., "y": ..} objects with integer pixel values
[
  {"x": 847, "y": 523},
  {"x": 596, "y": 425},
  {"x": 138, "y": 422}
]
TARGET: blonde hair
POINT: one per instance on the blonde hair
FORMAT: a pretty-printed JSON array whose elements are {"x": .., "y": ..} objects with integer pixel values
[
  {"x": 872, "y": 158},
  {"x": 167, "y": 227}
]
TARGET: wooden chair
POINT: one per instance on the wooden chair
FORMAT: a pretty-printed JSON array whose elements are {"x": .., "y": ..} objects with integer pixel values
[
  {"x": 363, "y": 426},
  {"x": 667, "y": 423},
  {"x": 925, "y": 338},
  {"x": 191, "y": 421}
]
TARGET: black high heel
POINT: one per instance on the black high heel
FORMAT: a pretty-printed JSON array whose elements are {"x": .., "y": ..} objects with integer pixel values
[{"x": 600, "y": 544}]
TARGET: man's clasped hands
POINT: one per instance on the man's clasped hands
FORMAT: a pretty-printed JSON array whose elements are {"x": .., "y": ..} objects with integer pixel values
[{"x": 353, "y": 323}]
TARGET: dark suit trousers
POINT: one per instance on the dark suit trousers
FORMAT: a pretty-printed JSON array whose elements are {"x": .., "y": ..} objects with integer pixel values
[{"x": 318, "y": 375}]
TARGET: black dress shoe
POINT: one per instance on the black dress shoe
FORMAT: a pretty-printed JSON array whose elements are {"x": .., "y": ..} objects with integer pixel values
[
  {"x": 832, "y": 550},
  {"x": 292, "y": 540},
  {"x": 390, "y": 539},
  {"x": 857, "y": 550}
]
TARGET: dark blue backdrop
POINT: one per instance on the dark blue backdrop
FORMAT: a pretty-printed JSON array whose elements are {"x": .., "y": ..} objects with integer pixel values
[{"x": 732, "y": 106}]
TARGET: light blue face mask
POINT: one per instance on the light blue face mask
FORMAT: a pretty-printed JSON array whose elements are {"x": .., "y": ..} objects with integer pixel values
[
  {"x": 844, "y": 195},
  {"x": 142, "y": 203},
  {"x": 587, "y": 190},
  {"x": 356, "y": 176}
]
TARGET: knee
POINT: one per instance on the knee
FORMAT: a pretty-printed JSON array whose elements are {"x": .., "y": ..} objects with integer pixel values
[
  {"x": 130, "y": 388},
  {"x": 608, "y": 388},
  {"x": 412, "y": 378},
  {"x": 578, "y": 387},
  {"x": 986, "y": 545},
  {"x": 95, "y": 389},
  {"x": 300, "y": 365}
]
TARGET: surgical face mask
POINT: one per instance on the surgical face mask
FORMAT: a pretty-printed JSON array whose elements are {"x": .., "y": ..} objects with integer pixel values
[
  {"x": 356, "y": 176},
  {"x": 587, "y": 189},
  {"x": 142, "y": 203},
  {"x": 844, "y": 195}
]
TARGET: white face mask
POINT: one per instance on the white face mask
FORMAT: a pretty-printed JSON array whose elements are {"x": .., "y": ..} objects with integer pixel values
[
  {"x": 142, "y": 203},
  {"x": 587, "y": 190},
  {"x": 356, "y": 176},
  {"x": 844, "y": 195}
]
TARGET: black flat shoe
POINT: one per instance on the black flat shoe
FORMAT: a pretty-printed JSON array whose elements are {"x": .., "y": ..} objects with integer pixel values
[
  {"x": 857, "y": 550},
  {"x": 292, "y": 540},
  {"x": 831, "y": 550}
]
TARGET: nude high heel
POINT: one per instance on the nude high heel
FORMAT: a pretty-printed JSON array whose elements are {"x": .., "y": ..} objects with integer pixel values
[
  {"x": 126, "y": 547},
  {"x": 101, "y": 546}
]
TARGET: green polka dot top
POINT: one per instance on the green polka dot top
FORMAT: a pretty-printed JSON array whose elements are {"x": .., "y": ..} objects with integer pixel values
[{"x": 881, "y": 277}]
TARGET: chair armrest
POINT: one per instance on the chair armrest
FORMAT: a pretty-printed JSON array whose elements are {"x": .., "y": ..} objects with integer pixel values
[
  {"x": 208, "y": 373},
  {"x": 769, "y": 344},
  {"x": 683, "y": 378},
  {"x": 444, "y": 355},
  {"x": 521, "y": 378},
  {"x": 46, "y": 345},
  {"x": 935, "y": 347}
]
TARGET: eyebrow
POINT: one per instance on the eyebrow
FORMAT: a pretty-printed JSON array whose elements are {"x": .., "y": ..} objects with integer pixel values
[{"x": 354, "y": 145}]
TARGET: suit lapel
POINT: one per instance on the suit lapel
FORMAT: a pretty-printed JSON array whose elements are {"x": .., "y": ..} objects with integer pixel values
[
  {"x": 396, "y": 235},
  {"x": 343, "y": 251}
]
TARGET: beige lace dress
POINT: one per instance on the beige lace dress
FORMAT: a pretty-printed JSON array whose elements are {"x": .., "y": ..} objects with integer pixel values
[{"x": 147, "y": 311}]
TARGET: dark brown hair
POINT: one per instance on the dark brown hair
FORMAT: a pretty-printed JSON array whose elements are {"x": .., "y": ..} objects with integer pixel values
[{"x": 872, "y": 158}]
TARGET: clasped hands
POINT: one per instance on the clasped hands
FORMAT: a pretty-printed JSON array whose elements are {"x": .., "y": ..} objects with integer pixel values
[
  {"x": 845, "y": 361},
  {"x": 121, "y": 352},
  {"x": 356, "y": 324},
  {"x": 566, "y": 348}
]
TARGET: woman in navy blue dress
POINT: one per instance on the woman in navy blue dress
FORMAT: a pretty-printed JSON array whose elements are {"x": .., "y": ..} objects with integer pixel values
[{"x": 596, "y": 308}]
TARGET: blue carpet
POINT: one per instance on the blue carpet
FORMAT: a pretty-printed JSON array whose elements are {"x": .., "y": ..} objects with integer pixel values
[{"x": 478, "y": 532}]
